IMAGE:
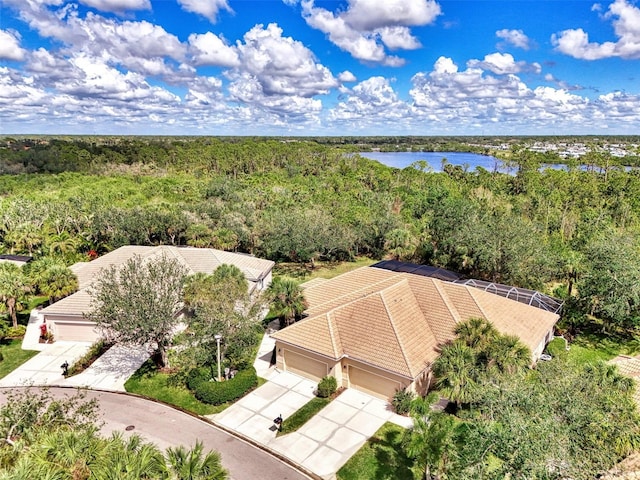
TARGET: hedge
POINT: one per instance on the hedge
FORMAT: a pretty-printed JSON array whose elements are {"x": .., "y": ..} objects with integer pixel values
[{"x": 217, "y": 393}]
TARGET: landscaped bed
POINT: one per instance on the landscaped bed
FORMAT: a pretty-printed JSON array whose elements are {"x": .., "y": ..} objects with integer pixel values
[
  {"x": 152, "y": 383},
  {"x": 303, "y": 415}
]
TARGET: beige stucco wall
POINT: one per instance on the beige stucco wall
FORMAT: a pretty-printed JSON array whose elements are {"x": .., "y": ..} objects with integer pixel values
[{"x": 332, "y": 364}]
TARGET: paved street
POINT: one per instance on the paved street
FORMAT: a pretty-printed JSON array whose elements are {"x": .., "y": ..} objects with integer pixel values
[{"x": 167, "y": 427}]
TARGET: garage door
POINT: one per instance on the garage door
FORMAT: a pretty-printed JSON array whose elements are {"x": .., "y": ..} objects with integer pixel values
[
  {"x": 372, "y": 384},
  {"x": 74, "y": 332},
  {"x": 305, "y": 366}
]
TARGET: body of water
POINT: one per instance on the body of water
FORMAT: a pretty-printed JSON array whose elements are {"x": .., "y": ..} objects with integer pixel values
[{"x": 435, "y": 159}]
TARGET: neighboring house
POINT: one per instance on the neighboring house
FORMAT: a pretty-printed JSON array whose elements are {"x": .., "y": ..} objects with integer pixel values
[
  {"x": 379, "y": 330},
  {"x": 19, "y": 260},
  {"x": 65, "y": 318}
]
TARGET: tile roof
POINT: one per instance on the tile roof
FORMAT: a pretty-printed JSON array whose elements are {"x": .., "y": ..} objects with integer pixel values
[
  {"x": 397, "y": 320},
  {"x": 195, "y": 260},
  {"x": 629, "y": 367}
]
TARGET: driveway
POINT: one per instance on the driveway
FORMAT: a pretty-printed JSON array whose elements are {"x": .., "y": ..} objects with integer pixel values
[
  {"x": 44, "y": 368},
  {"x": 109, "y": 372},
  {"x": 325, "y": 442}
]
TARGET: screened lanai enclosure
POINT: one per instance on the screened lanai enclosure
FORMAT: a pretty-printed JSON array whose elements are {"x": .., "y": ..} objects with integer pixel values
[{"x": 522, "y": 295}]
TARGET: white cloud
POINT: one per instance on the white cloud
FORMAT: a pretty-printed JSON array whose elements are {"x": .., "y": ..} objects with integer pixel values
[
  {"x": 517, "y": 38},
  {"x": 503, "y": 63},
  {"x": 366, "y": 25},
  {"x": 209, "y": 49},
  {"x": 347, "y": 76},
  {"x": 207, "y": 8},
  {"x": 447, "y": 96},
  {"x": 118, "y": 6},
  {"x": 10, "y": 46},
  {"x": 282, "y": 65},
  {"x": 398, "y": 38},
  {"x": 371, "y": 101},
  {"x": 626, "y": 25},
  {"x": 368, "y": 15}
]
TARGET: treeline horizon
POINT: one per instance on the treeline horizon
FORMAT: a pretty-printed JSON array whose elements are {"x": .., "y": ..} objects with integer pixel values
[{"x": 571, "y": 233}]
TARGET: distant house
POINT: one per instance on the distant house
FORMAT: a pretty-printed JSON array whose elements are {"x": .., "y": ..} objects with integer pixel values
[
  {"x": 379, "y": 330},
  {"x": 65, "y": 318},
  {"x": 18, "y": 260}
]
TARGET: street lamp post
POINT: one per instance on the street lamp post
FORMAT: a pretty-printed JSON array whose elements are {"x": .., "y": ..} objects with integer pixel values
[{"x": 218, "y": 337}]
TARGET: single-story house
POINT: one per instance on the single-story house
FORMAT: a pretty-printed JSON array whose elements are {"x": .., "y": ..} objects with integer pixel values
[
  {"x": 66, "y": 321},
  {"x": 19, "y": 260},
  {"x": 379, "y": 330}
]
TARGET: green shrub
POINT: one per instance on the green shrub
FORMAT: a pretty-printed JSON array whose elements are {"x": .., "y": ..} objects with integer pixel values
[
  {"x": 327, "y": 386},
  {"x": 217, "y": 393},
  {"x": 84, "y": 362},
  {"x": 401, "y": 401},
  {"x": 16, "y": 332},
  {"x": 196, "y": 377},
  {"x": 1, "y": 357}
]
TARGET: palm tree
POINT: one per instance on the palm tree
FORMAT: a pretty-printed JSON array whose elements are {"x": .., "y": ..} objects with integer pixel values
[
  {"x": 57, "y": 281},
  {"x": 401, "y": 243},
  {"x": 430, "y": 442},
  {"x": 475, "y": 332},
  {"x": 62, "y": 243},
  {"x": 193, "y": 465},
  {"x": 455, "y": 372},
  {"x": 507, "y": 354},
  {"x": 13, "y": 287},
  {"x": 287, "y": 300}
]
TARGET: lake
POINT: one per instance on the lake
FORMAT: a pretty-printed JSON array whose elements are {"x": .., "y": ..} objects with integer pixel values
[{"x": 434, "y": 159}]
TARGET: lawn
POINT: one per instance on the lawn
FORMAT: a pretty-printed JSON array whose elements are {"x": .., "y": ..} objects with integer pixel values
[
  {"x": 13, "y": 355},
  {"x": 303, "y": 414},
  {"x": 150, "y": 382},
  {"x": 321, "y": 270},
  {"x": 381, "y": 458}
]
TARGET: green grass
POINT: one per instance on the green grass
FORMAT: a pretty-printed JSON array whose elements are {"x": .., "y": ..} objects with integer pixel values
[
  {"x": 322, "y": 269},
  {"x": 150, "y": 382},
  {"x": 13, "y": 355},
  {"x": 381, "y": 458},
  {"x": 303, "y": 415}
]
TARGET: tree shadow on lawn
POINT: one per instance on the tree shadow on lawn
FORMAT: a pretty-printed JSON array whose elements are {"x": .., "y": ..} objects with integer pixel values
[
  {"x": 392, "y": 461},
  {"x": 381, "y": 458}
]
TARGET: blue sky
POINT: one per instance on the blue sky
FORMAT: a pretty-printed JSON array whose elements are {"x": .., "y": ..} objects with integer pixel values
[{"x": 312, "y": 67}]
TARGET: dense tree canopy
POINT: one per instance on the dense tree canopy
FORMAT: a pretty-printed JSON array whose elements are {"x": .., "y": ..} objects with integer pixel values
[
  {"x": 309, "y": 200},
  {"x": 559, "y": 420}
]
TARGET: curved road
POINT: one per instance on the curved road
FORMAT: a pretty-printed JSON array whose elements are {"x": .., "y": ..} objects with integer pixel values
[{"x": 167, "y": 427}]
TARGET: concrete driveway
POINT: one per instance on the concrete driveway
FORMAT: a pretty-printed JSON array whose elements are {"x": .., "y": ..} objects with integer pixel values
[
  {"x": 109, "y": 372},
  {"x": 44, "y": 368},
  {"x": 324, "y": 443}
]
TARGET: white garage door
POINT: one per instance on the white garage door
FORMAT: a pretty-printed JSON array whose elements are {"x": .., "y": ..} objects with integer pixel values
[
  {"x": 305, "y": 366},
  {"x": 372, "y": 384},
  {"x": 74, "y": 332}
]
